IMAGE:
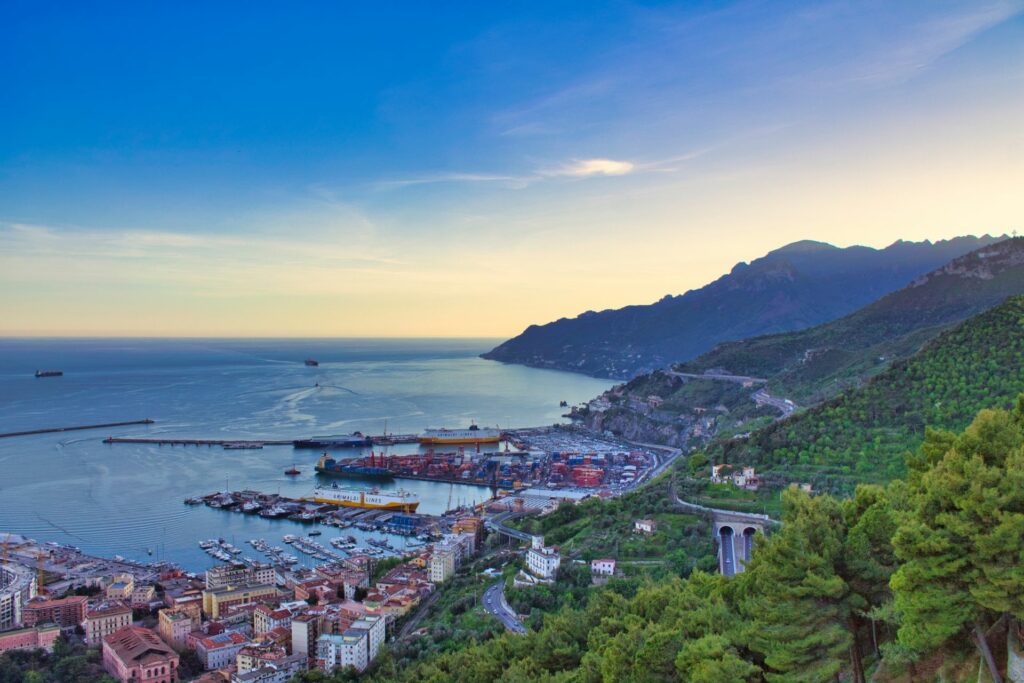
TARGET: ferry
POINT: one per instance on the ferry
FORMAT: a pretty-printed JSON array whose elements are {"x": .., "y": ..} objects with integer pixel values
[
  {"x": 460, "y": 436},
  {"x": 358, "y": 498}
]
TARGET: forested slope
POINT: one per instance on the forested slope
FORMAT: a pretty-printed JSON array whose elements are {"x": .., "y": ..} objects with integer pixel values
[{"x": 863, "y": 433}]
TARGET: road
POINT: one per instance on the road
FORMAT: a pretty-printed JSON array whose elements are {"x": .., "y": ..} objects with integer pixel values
[
  {"x": 719, "y": 376},
  {"x": 762, "y": 397},
  {"x": 494, "y": 602},
  {"x": 728, "y": 549},
  {"x": 663, "y": 462},
  {"x": 498, "y": 524}
]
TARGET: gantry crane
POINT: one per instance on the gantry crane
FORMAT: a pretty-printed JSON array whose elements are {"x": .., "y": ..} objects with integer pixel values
[{"x": 8, "y": 546}]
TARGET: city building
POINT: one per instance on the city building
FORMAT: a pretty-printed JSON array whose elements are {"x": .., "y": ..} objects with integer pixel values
[
  {"x": 442, "y": 563},
  {"x": 65, "y": 612},
  {"x": 121, "y": 587},
  {"x": 744, "y": 477},
  {"x": 542, "y": 561},
  {"x": 356, "y": 647},
  {"x": 174, "y": 627},
  {"x": 473, "y": 526},
  {"x": 137, "y": 654},
  {"x": 104, "y": 618},
  {"x": 216, "y": 600},
  {"x": 306, "y": 629},
  {"x": 220, "y": 650},
  {"x": 32, "y": 638},
  {"x": 190, "y": 602},
  {"x": 267, "y": 664},
  {"x": 17, "y": 587},
  {"x": 142, "y": 596},
  {"x": 645, "y": 526},
  {"x": 266, "y": 618},
  {"x": 604, "y": 567},
  {"x": 225, "y": 575}
]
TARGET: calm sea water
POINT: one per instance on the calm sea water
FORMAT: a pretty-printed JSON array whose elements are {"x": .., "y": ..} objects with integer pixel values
[{"x": 127, "y": 499}]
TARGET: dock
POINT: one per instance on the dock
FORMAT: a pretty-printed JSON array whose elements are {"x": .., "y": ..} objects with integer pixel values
[
  {"x": 381, "y": 440},
  {"x": 235, "y": 443},
  {"x": 51, "y": 430}
]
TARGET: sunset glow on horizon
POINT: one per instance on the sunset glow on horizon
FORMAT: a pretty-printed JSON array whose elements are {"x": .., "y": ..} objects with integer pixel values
[{"x": 419, "y": 170}]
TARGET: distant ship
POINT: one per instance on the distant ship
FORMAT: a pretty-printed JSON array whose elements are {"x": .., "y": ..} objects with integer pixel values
[
  {"x": 49, "y": 373},
  {"x": 356, "y": 498},
  {"x": 312, "y": 363},
  {"x": 353, "y": 440},
  {"x": 364, "y": 468},
  {"x": 454, "y": 436}
]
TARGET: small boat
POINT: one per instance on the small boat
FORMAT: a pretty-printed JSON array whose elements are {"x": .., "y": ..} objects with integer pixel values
[
  {"x": 314, "y": 532},
  {"x": 311, "y": 363},
  {"x": 291, "y": 472},
  {"x": 49, "y": 373}
]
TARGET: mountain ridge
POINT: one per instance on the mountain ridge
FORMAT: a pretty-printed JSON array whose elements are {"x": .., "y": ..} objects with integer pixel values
[{"x": 795, "y": 286}]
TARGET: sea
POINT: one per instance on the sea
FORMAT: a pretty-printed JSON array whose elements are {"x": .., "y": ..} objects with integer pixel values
[{"x": 128, "y": 499}]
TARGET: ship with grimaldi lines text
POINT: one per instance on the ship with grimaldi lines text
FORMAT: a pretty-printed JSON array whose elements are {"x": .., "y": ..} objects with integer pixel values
[{"x": 375, "y": 499}]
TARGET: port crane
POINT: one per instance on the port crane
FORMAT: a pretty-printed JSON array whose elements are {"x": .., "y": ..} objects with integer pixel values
[
  {"x": 8, "y": 546},
  {"x": 40, "y": 579}
]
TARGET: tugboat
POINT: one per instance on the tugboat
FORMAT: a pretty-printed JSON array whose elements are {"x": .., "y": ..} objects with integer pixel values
[
  {"x": 311, "y": 363},
  {"x": 291, "y": 472}
]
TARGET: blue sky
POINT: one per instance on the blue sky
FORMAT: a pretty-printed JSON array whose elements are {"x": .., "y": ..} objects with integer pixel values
[{"x": 470, "y": 168}]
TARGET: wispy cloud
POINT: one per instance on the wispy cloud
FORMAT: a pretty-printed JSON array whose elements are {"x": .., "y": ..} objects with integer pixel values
[
  {"x": 584, "y": 168},
  {"x": 452, "y": 178},
  {"x": 594, "y": 167},
  {"x": 930, "y": 41}
]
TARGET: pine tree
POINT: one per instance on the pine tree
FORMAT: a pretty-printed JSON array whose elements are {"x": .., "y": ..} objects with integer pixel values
[
  {"x": 960, "y": 544},
  {"x": 796, "y": 601}
]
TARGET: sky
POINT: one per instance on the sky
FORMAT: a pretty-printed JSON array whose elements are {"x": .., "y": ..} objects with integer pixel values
[{"x": 468, "y": 169}]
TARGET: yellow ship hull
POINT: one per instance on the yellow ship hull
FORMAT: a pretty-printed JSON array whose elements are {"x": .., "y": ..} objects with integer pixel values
[{"x": 404, "y": 507}]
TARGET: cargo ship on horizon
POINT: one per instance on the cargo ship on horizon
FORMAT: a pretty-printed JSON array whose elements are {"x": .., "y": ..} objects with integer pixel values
[
  {"x": 373, "y": 468},
  {"x": 373, "y": 499},
  {"x": 473, "y": 435}
]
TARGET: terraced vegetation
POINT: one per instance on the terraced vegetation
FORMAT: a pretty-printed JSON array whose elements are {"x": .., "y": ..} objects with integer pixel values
[{"x": 863, "y": 434}]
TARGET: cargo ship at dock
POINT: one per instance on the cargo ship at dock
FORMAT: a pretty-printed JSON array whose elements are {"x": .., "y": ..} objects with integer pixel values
[
  {"x": 357, "y": 498},
  {"x": 372, "y": 468},
  {"x": 473, "y": 435}
]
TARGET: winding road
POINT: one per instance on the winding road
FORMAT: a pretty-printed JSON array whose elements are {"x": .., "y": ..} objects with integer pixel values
[
  {"x": 760, "y": 397},
  {"x": 494, "y": 602}
]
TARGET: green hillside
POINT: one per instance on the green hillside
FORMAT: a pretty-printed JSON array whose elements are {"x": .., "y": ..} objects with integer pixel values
[
  {"x": 863, "y": 433},
  {"x": 817, "y": 363}
]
